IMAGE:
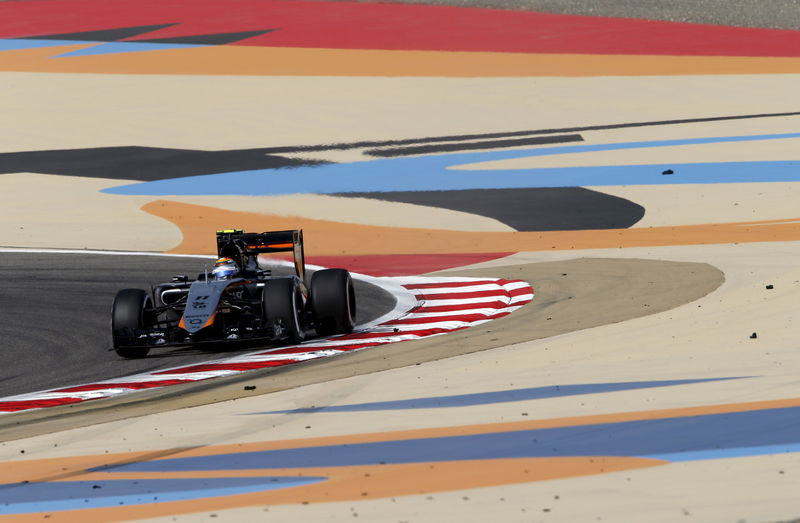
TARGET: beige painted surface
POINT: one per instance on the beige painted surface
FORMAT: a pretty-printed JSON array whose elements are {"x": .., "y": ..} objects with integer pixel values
[
  {"x": 747, "y": 151},
  {"x": 735, "y": 490},
  {"x": 49, "y": 211},
  {"x": 352, "y": 210},
  {"x": 706, "y": 338},
  {"x": 675, "y": 205},
  {"x": 701, "y": 129},
  {"x": 227, "y": 112}
]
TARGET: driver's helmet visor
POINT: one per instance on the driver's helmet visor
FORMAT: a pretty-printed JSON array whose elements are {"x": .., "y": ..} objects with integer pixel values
[{"x": 224, "y": 268}]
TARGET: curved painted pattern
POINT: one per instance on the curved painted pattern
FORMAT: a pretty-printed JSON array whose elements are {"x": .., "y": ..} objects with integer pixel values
[
  {"x": 503, "y": 396},
  {"x": 332, "y": 238},
  {"x": 82, "y": 495},
  {"x": 442, "y": 305},
  {"x": 539, "y": 209},
  {"x": 349, "y": 468},
  {"x": 440, "y": 172}
]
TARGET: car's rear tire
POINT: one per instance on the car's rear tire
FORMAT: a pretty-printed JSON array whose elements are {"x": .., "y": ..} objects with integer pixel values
[
  {"x": 131, "y": 311},
  {"x": 283, "y": 307},
  {"x": 333, "y": 301}
]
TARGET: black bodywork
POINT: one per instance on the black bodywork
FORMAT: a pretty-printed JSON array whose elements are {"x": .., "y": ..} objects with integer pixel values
[{"x": 253, "y": 306}]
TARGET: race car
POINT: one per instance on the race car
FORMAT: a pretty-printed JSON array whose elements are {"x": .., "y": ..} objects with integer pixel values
[{"x": 237, "y": 301}]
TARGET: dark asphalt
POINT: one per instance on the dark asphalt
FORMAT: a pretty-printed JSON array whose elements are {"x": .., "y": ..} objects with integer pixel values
[
  {"x": 55, "y": 310},
  {"x": 144, "y": 164},
  {"x": 535, "y": 209},
  {"x": 774, "y": 14}
]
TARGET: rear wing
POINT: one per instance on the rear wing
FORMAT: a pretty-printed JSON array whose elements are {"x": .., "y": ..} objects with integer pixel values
[{"x": 244, "y": 247}]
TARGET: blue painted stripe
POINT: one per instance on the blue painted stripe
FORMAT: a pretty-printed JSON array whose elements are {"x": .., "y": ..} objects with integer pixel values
[
  {"x": 125, "y": 47},
  {"x": 22, "y": 498},
  {"x": 774, "y": 428},
  {"x": 500, "y": 396},
  {"x": 742, "y": 452},
  {"x": 13, "y": 44},
  {"x": 436, "y": 173}
]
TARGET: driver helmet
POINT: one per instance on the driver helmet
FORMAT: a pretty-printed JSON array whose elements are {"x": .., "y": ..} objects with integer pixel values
[{"x": 224, "y": 269}]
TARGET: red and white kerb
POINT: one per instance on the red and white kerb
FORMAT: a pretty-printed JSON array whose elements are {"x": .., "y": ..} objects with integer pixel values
[{"x": 442, "y": 305}]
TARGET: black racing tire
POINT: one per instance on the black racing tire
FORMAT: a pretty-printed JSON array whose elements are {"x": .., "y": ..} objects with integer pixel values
[
  {"x": 129, "y": 313},
  {"x": 282, "y": 304},
  {"x": 333, "y": 301}
]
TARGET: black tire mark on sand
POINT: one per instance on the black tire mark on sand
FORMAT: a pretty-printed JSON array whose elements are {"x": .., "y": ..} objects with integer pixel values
[{"x": 535, "y": 209}]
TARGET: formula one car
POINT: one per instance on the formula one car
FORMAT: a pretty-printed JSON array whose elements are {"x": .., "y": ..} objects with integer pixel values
[{"x": 237, "y": 301}]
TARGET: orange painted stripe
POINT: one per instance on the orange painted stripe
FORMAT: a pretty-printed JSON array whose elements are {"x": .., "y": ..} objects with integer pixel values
[
  {"x": 49, "y": 469},
  {"x": 467, "y": 430},
  {"x": 358, "y": 483},
  {"x": 279, "y": 61},
  {"x": 63, "y": 468},
  {"x": 334, "y": 238}
]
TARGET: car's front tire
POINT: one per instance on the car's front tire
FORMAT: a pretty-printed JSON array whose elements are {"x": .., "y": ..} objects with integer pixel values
[
  {"x": 129, "y": 313},
  {"x": 283, "y": 307}
]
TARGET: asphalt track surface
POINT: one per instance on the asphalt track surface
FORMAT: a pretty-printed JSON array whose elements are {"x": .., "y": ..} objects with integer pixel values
[
  {"x": 56, "y": 317},
  {"x": 775, "y": 14}
]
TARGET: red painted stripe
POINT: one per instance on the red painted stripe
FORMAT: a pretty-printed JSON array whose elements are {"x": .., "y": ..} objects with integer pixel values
[
  {"x": 449, "y": 285},
  {"x": 357, "y": 346},
  {"x": 462, "y": 295},
  {"x": 461, "y": 307},
  {"x": 313, "y": 348},
  {"x": 521, "y": 291},
  {"x": 249, "y": 365},
  {"x": 352, "y": 25},
  {"x": 403, "y": 264},
  {"x": 138, "y": 385},
  {"x": 370, "y": 335},
  {"x": 17, "y": 406},
  {"x": 436, "y": 319}
]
